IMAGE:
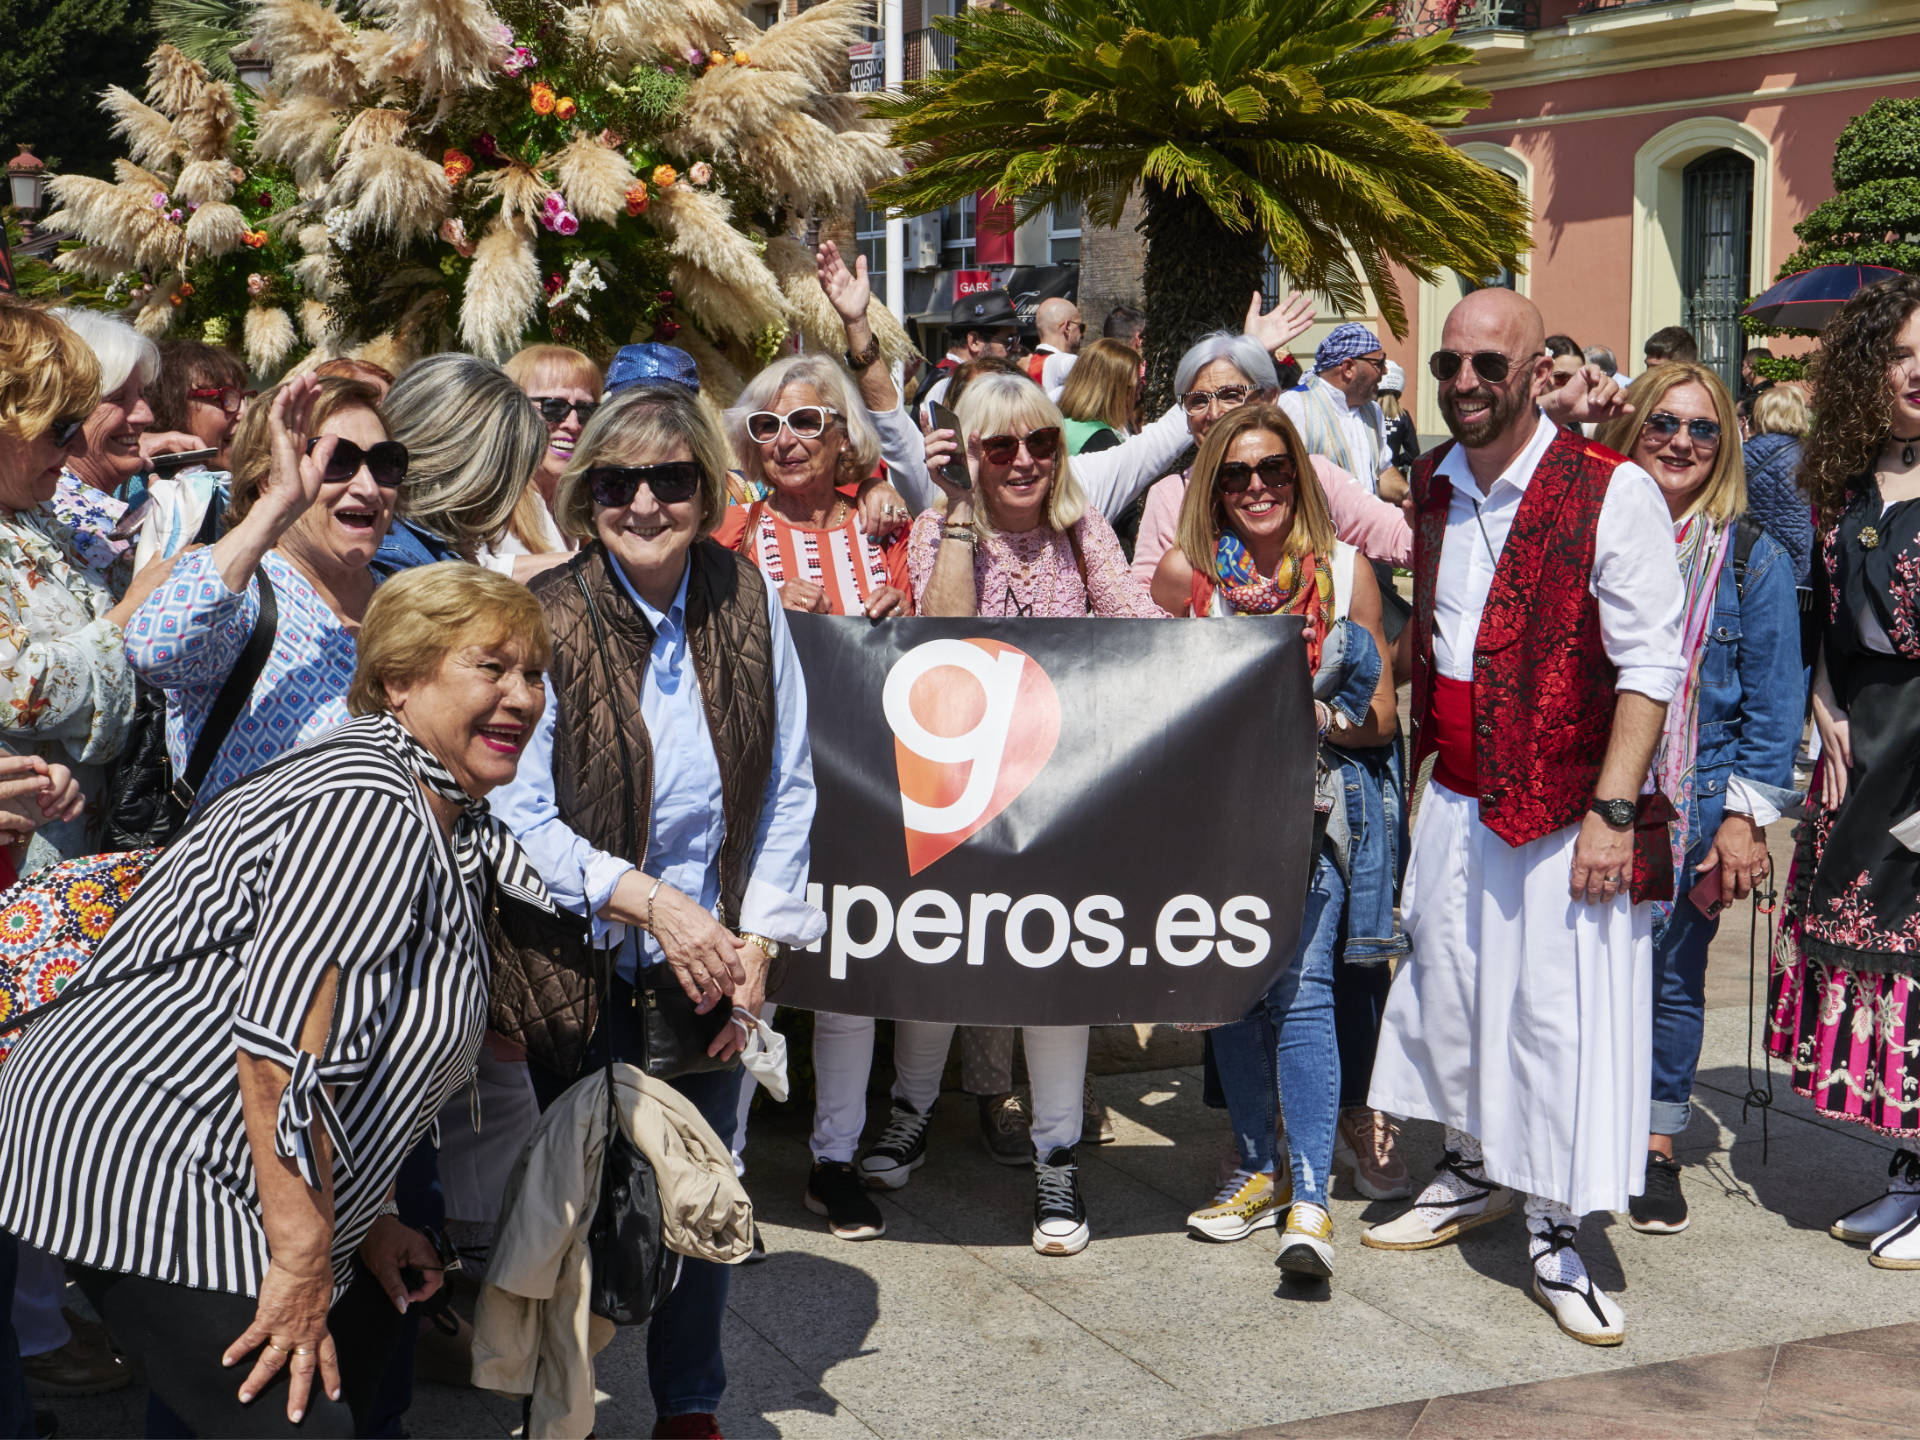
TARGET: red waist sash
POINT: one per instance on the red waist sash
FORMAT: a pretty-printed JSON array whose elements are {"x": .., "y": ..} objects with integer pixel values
[{"x": 1455, "y": 764}]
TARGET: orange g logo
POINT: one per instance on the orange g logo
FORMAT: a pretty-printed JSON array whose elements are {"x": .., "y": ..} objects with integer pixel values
[{"x": 973, "y": 722}]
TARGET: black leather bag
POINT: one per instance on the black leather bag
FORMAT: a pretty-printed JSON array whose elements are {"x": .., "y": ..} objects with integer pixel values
[
  {"x": 147, "y": 803},
  {"x": 632, "y": 1269},
  {"x": 677, "y": 1035}
]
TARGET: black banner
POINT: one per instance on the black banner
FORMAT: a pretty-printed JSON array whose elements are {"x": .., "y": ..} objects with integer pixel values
[{"x": 1054, "y": 822}]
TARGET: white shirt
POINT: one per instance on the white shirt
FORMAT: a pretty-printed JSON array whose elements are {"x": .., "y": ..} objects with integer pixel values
[
  {"x": 1636, "y": 575},
  {"x": 1363, "y": 428},
  {"x": 1053, "y": 375}
]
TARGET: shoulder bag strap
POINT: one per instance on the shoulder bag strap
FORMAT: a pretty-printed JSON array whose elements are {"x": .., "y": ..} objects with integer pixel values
[
  {"x": 1746, "y": 534},
  {"x": 79, "y": 988},
  {"x": 233, "y": 696},
  {"x": 1080, "y": 561}
]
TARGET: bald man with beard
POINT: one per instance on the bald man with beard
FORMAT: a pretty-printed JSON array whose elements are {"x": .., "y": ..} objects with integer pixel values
[{"x": 1546, "y": 645}]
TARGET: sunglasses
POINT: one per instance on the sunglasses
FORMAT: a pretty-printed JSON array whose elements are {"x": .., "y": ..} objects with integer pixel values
[
  {"x": 1663, "y": 427},
  {"x": 806, "y": 422},
  {"x": 64, "y": 432},
  {"x": 386, "y": 462},
  {"x": 1197, "y": 402},
  {"x": 1490, "y": 365},
  {"x": 1276, "y": 472},
  {"x": 673, "y": 483},
  {"x": 1041, "y": 444},
  {"x": 228, "y": 397},
  {"x": 553, "y": 408}
]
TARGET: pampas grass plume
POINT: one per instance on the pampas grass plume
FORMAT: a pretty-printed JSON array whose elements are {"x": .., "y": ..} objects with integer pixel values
[
  {"x": 729, "y": 103},
  {"x": 393, "y": 190},
  {"x": 208, "y": 123},
  {"x": 149, "y": 134},
  {"x": 814, "y": 42},
  {"x": 96, "y": 262},
  {"x": 269, "y": 338},
  {"x": 520, "y": 188},
  {"x": 311, "y": 46},
  {"x": 594, "y": 179},
  {"x": 632, "y": 30},
  {"x": 216, "y": 229},
  {"x": 372, "y": 127},
  {"x": 454, "y": 44},
  {"x": 720, "y": 278},
  {"x": 319, "y": 325},
  {"x": 173, "y": 81},
  {"x": 204, "y": 181},
  {"x": 503, "y": 286},
  {"x": 295, "y": 131}
]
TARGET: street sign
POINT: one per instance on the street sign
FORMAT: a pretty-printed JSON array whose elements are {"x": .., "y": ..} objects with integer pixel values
[{"x": 867, "y": 67}]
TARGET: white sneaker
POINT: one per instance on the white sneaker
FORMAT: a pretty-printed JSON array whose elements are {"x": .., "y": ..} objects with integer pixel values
[
  {"x": 1306, "y": 1245},
  {"x": 1899, "y": 1204},
  {"x": 1459, "y": 1198},
  {"x": 1578, "y": 1306},
  {"x": 1248, "y": 1201},
  {"x": 1899, "y": 1248}
]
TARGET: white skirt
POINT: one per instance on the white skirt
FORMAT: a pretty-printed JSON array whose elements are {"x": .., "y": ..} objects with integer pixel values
[{"x": 1523, "y": 1017}]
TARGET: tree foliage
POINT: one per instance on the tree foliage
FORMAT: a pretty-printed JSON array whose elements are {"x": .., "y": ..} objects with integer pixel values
[
  {"x": 55, "y": 55},
  {"x": 1309, "y": 127}
]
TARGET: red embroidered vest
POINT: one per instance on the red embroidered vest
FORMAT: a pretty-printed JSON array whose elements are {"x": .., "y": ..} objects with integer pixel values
[{"x": 1543, "y": 687}]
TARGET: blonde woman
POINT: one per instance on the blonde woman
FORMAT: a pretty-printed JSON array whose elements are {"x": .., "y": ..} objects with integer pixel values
[
  {"x": 1725, "y": 759},
  {"x": 564, "y": 386},
  {"x": 474, "y": 442},
  {"x": 1100, "y": 398},
  {"x": 1781, "y": 420}
]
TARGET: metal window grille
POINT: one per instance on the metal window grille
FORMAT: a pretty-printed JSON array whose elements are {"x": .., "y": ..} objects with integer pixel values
[{"x": 1717, "y": 223}]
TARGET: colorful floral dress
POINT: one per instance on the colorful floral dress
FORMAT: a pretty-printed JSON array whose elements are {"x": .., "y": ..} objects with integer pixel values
[
  {"x": 66, "y": 692},
  {"x": 1845, "y": 1001}
]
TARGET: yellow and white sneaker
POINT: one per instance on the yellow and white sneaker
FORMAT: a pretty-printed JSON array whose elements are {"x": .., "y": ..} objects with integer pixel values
[
  {"x": 1306, "y": 1246},
  {"x": 1247, "y": 1202}
]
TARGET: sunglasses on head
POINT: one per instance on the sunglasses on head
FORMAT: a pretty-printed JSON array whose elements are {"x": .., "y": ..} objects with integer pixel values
[
  {"x": 1490, "y": 365},
  {"x": 386, "y": 462},
  {"x": 1276, "y": 472},
  {"x": 1197, "y": 402},
  {"x": 64, "y": 432},
  {"x": 553, "y": 408},
  {"x": 1041, "y": 444},
  {"x": 806, "y": 422},
  {"x": 1663, "y": 427},
  {"x": 228, "y": 397},
  {"x": 673, "y": 483}
]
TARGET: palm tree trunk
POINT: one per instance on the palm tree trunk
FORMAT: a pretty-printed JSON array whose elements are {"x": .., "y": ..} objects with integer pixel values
[{"x": 1198, "y": 277}]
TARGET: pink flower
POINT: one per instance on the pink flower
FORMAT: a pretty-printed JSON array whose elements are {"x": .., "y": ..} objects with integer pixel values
[
  {"x": 454, "y": 232},
  {"x": 567, "y": 223},
  {"x": 160, "y": 201},
  {"x": 174, "y": 215},
  {"x": 695, "y": 55},
  {"x": 700, "y": 172},
  {"x": 257, "y": 285},
  {"x": 553, "y": 204}
]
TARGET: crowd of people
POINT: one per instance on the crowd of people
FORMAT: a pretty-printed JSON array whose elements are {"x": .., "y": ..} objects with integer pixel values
[{"x": 411, "y": 649}]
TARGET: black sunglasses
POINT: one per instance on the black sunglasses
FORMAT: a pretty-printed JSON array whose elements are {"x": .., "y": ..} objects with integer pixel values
[
  {"x": 673, "y": 483},
  {"x": 1276, "y": 472},
  {"x": 62, "y": 432},
  {"x": 553, "y": 408},
  {"x": 1663, "y": 427},
  {"x": 1490, "y": 365},
  {"x": 386, "y": 462}
]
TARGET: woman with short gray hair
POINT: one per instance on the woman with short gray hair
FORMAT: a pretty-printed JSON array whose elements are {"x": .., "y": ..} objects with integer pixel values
[{"x": 473, "y": 440}]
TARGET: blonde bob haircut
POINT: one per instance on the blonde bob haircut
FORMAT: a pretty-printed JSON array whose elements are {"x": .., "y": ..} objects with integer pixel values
[
  {"x": 829, "y": 382},
  {"x": 1013, "y": 405},
  {"x": 1203, "y": 515},
  {"x": 639, "y": 426},
  {"x": 421, "y": 616},
  {"x": 1102, "y": 383},
  {"x": 252, "y": 452},
  {"x": 1782, "y": 410},
  {"x": 558, "y": 365},
  {"x": 1723, "y": 498},
  {"x": 473, "y": 439},
  {"x": 47, "y": 372}
]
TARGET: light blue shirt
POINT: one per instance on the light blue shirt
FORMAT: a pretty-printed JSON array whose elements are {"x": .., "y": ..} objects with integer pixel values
[{"x": 687, "y": 824}]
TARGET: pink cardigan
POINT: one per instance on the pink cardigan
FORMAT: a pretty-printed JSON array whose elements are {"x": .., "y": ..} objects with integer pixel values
[{"x": 1369, "y": 524}]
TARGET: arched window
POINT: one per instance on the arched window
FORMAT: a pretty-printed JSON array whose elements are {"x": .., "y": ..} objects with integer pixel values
[{"x": 1716, "y": 278}]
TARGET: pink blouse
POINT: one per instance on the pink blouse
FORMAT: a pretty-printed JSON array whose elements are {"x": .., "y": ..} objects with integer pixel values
[{"x": 1033, "y": 572}]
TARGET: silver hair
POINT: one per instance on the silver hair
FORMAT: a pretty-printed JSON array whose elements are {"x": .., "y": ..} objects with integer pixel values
[
  {"x": 473, "y": 440},
  {"x": 1603, "y": 357},
  {"x": 830, "y": 383},
  {"x": 123, "y": 352},
  {"x": 1243, "y": 352}
]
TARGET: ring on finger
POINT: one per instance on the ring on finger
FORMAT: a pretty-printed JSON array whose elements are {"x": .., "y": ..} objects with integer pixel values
[
  {"x": 303, "y": 1350},
  {"x": 273, "y": 1344}
]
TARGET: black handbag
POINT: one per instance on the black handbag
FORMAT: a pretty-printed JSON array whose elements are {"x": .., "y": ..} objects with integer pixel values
[
  {"x": 677, "y": 1035},
  {"x": 147, "y": 802}
]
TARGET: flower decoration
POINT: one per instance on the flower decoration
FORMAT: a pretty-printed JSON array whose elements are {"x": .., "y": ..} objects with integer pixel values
[
  {"x": 566, "y": 223},
  {"x": 611, "y": 139},
  {"x": 454, "y": 231},
  {"x": 255, "y": 239},
  {"x": 665, "y": 297},
  {"x": 718, "y": 57},
  {"x": 741, "y": 57},
  {"x": 186, "y": 287},
  {"x": 264, "y": 199},
  {"x": 339, "y": 222},
  {"x": 518, "y": 60},
  {"x": 564, "y": 108},
  {"x": 543, "y": 99},
  {"x": 160, "y": 200},
  {"x": 174, "y": 216},
  {"x": 257, "y": 284},
  {"x": 553, "y": 284},
  {"x": 488, "y": 147},
  {"x": 695, "y": 55},
  {"x": 664, "y": 176},
  {"x": 458, "y": 166},
  {"x": 637, "y": 198},
  {"x": 665, "y": 330},
  {"x": 700, "y": 172}
]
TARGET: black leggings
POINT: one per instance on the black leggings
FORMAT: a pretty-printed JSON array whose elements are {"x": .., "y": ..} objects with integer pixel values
[{"x": 178, "y": 1334}]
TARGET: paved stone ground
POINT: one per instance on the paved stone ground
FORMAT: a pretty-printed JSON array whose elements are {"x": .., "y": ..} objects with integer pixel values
[{"x": 952, "y": 1326}]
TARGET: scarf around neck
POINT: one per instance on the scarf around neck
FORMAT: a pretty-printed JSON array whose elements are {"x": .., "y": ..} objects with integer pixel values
[{"x": 1303, "y": 585}]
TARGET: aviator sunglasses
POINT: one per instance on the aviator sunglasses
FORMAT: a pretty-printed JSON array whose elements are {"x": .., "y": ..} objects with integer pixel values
[
  {"x": 1663, "y": 427},
  {"x": 553, "y": 408},
  {"x": 386, "y": 462},
  {"x": 673, "y": 483},
  {"x": 1490, "y": 365},
  {"x": 1041, "y": 445},
  {"x": 1276, "y": 472}
]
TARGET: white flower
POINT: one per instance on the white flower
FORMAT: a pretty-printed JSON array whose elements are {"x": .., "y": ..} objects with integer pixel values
[
  {"x": 583, "y": 276},
  {"x": 340, "y": 227}
]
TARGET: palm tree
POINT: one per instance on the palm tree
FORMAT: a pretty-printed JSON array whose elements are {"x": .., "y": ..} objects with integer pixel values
[{"x": 1307, "y": 127}]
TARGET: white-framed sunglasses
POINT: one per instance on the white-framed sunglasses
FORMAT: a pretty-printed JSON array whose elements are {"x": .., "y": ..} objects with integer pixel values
[{"x": 805, "y": 422}]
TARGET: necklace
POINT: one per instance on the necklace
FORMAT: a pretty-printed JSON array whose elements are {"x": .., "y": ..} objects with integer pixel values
[{"x": 1906, "y": 447}]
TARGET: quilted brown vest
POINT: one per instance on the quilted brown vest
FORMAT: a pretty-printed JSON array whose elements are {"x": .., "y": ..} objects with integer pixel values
[{"x": 730, "y": 642}]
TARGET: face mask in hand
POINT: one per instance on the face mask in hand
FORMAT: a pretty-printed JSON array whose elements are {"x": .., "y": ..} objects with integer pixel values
[{"x": 766, "y": 1054}]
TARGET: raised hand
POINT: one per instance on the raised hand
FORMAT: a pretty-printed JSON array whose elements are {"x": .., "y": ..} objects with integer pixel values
[
  {"x": 1587, "y": 396},
  {"x": 849, "y": 292},
  {"x": 294, "y": 479},
  {"x": 1290, "y": 316}
]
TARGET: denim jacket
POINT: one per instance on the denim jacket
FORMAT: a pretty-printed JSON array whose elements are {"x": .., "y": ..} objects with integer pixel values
[
  {"x": 1364, "y": 787},
  {"x": 407, "y": 546},
  {"x": 1752, "y": 692}
]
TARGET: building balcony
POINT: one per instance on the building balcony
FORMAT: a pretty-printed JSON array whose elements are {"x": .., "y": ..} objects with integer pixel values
[
  {"x": 1470, "y": 19},
  {"x": 924, "y": 52}
]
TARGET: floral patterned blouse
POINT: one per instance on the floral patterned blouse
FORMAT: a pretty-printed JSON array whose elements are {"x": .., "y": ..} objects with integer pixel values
[
  {"x": 1033, "y": 572},
  {"x": 66, "y": 691}
]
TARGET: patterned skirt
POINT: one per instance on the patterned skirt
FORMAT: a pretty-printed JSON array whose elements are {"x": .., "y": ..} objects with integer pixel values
[{"x": 1852, "y": 1039}]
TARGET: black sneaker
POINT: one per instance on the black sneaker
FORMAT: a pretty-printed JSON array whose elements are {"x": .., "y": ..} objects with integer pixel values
[
  {"x": 1059, "y": 1215},
  {"x": 1662, "y": 1210},
  {"x": 900, "y": 1150},
  {"x": 1006, "y": 1128},
  {"x": 834, "y": 1190}
]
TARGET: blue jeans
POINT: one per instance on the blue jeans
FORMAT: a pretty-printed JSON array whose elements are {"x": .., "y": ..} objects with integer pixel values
[
  {"x": 1679, "y": 1005},
  {"x": 1299, "y": 1067},
  {"x": 685, "y": 1369}
]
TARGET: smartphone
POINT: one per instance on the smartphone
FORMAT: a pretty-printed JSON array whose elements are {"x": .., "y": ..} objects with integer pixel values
[
  {"x": 176, "y": 461},
  {"x": 955, "y": 470},
  {"x": 1706, "y": 896}
]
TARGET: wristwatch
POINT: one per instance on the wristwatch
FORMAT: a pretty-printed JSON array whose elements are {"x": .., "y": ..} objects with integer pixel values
[
  {"x": 769, "y": 948},
  {"x": 866, "y": 357},
  {"x": 1620, "y": 814}
]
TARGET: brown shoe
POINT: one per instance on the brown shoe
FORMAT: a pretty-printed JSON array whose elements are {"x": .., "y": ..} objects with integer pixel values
[
  {"x": 75, "y": 1369},
  {"x": 1368, "y": 1141}
]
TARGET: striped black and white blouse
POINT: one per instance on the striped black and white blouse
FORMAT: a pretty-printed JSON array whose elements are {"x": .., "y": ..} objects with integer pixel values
[{"x": 122, "y": 1144}]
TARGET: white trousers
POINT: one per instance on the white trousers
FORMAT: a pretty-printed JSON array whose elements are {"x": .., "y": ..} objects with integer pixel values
[
  {"x": 842, "y": 1064},
  {"x": 1056, "y": 1064}
]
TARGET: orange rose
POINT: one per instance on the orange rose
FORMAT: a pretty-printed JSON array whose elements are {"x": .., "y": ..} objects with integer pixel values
[
  {"x": 458, "y": 166},
  {"x": 741, "y": 57},
  {"x": 543, "y": 99},
  {"x": 564, "y": 108},
  {"x": 664, "y": 176},
  {"x": 637, "y": 198},
  {"x": 718, "y": 57},
  {"x": 186, "y": 287}
]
